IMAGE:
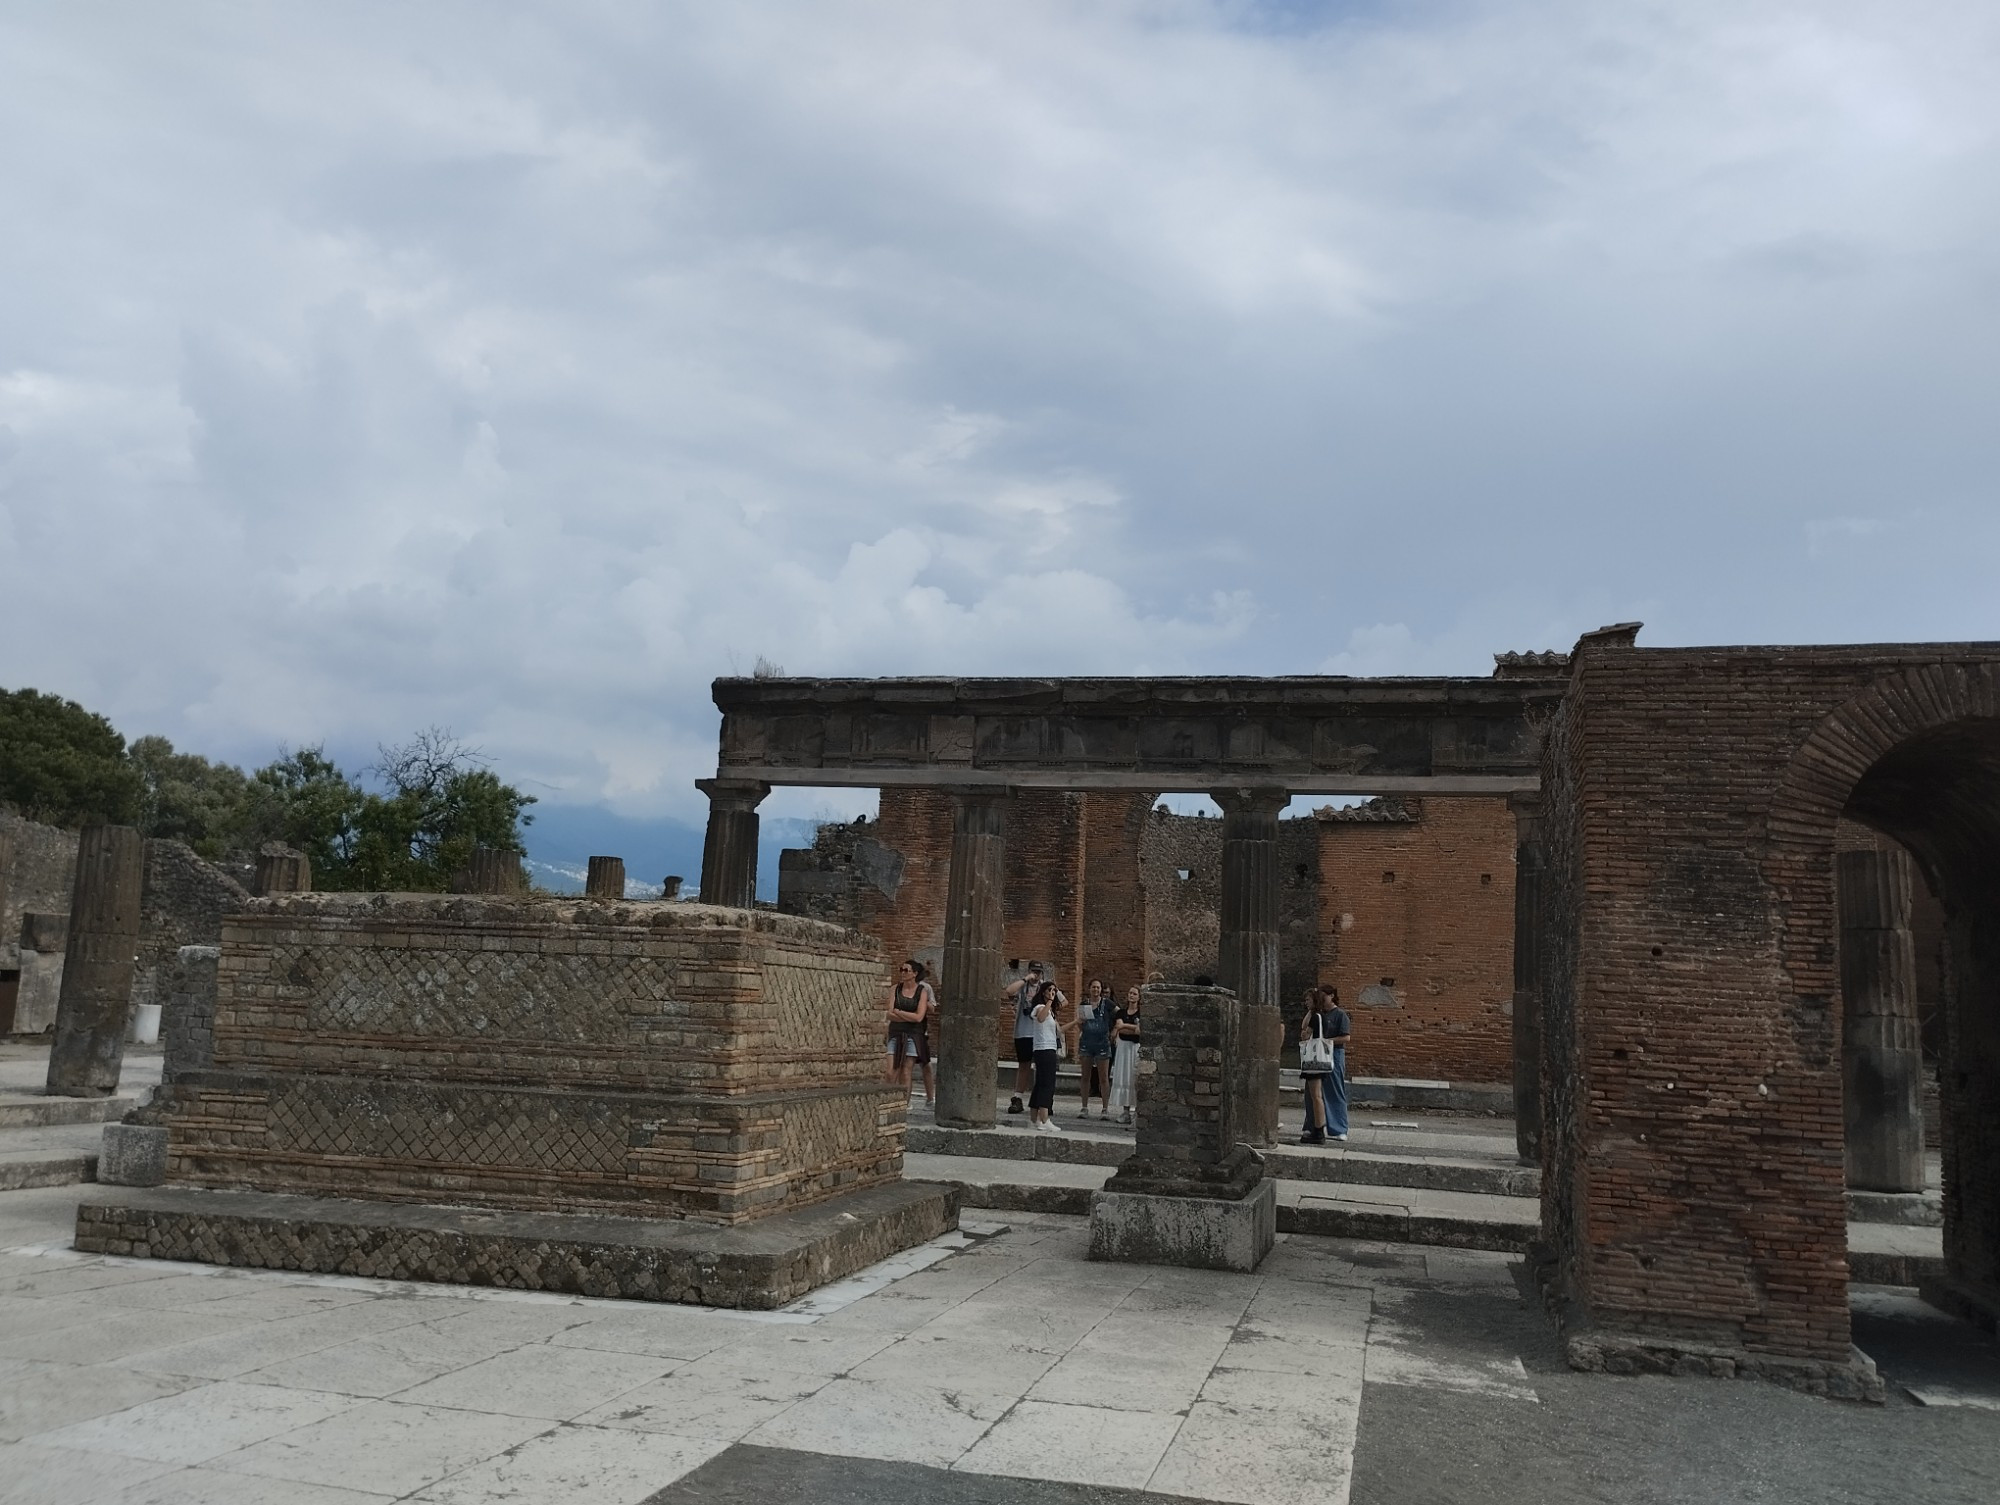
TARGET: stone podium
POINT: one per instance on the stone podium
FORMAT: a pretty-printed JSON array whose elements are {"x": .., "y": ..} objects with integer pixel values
[
  {"x": 1192, "y": 1192},
  {"x": 663, "y": 1101}
]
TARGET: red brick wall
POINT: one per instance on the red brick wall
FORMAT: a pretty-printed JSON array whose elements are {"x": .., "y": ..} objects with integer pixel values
[
  {"x": 1693, "y": 1182},
  {"x": 1114, "y": 897},
  {"x": 1417, "y": 932}
]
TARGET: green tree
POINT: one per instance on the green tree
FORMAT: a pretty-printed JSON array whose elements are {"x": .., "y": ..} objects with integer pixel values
[
  {"x": 210, "y": 806},
  {"x": 305, "y": 801},
  {"x": 62, "y": 764}
]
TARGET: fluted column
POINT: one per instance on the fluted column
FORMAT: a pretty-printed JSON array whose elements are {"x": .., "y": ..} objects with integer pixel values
[
  {"x": 491, "y": 870},
  {"x": 974, "y": 958},
  {"x": 729, "y": 854},
  {"x": 605, "y": 878},
  {"x": 1881, "y": 1053},
  {"x": 1527, "y": 810},
  {"x": 283, "y": 870},
  {"x": 96, "y": 998},
  {"x": 1247, "y": 958}
]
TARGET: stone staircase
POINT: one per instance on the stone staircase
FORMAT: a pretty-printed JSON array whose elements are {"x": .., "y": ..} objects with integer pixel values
[{"x": 53, "y": 1141}]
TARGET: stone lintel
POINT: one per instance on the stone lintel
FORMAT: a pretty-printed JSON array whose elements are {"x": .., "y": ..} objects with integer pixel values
[
  {"x": 758, "y": 1266},
  {"x": 1201, "y": 780}
]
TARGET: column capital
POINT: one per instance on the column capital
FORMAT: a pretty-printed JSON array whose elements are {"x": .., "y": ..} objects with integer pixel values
[
  {"x": 733, "y": 794},
  {"x": 1267, "y": 800}
]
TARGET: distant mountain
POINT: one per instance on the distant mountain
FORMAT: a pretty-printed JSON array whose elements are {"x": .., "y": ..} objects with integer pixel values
[{"x": 564, "y": 838}]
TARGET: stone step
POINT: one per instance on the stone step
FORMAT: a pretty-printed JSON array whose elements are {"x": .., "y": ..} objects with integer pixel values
[
  {"x": 1361, "y": 1165},
  {"x": 25, "y": 1173},
  {"x": 1389, "y": 1214},
  {"x": 1877, "y": 1253},
  {"x": 1380, "y": 1092},
  {"x": 49, "y": 1155},
  {"x": 33, "y": 1110}
]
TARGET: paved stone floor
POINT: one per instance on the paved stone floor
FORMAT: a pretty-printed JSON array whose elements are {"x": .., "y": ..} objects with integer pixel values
[{"x": 1001, "y": 1367}]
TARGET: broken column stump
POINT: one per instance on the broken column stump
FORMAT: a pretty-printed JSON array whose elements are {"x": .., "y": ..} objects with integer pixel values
[
  {"x": 1192, "y": 1192},
  {"x": 91, "y": 1014},
  {"x": 491, "y": 870},
  {"x": 283, "y": 870},
  {"x": 606, "y": 878}
]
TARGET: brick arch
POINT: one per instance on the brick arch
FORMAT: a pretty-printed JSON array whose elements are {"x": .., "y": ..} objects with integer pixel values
[{"x": 1821, "y": 776}]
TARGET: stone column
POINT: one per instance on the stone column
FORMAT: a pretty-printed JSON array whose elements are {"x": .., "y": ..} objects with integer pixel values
[
  {"x": 974, "y": 959},
  {"x": 606, "y": 879},
  {"x": 1881, "y": 1054},
  {"x": 729, "y": 854},
  {"x": 492, "y": 870},
  {"x": 97, "y": 963},
  {"x": 1247, "y": 960},
  {"x": 1527, "y": 810},
  {"x": 283, "y": 870}
]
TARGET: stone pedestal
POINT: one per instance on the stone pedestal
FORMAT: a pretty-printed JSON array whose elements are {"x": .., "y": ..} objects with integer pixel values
[
  {"x": 132, "y": 1155},
  {"x": 283, "y": 870},
  {"x": 606, "y": 879},
  {"x": 1201, "y": 1233},
  {"x": 1247, "y": 957},
  {"x": 1881, "y": 1052},
  {"x": 1191, "y": 1193},
  {"x": 491, "y": 870},
  {"x": 729, "y": 851},
  {"x": 974, "y": 960},
  {"x": 1527, "y": 977},
  {"x": 98, "y": 963}
]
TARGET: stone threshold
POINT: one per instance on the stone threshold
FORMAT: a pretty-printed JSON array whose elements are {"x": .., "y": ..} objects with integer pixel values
[{"x": 760, "y": 1265}]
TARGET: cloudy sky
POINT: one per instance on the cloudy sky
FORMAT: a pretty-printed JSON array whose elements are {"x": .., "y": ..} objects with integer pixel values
[{"x": 521, "y": 368}]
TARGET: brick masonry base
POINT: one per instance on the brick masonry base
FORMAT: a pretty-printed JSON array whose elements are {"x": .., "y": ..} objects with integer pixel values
[
  {"x": 1602, "y": 1350},
  {"x": 759, "y": 1265}
]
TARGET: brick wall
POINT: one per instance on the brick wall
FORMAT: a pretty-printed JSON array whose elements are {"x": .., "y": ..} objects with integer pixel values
[
  {"x": 670, "y": 1059},
  {"x": 1693, "y": 1187},
  {"x": 1416, "y": 925}
]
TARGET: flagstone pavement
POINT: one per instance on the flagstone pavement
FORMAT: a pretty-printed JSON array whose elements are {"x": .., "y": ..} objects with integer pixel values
[{"x": 996, "y": 1365}]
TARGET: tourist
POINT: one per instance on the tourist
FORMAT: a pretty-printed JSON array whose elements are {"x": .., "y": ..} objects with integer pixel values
[
  {"x": 1125, "y": 1060},
  {"x": 910, "y": 1006},
  {"x": 1048, "y": 1042},
  {"x": 1021, "y": 993},
  {"x": 1093, "y": 1048},
  {"x": 1323, "y": 1036}
]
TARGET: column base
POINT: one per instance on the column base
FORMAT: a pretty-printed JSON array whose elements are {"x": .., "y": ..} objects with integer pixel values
[{"x": 1200, "y": 1233}]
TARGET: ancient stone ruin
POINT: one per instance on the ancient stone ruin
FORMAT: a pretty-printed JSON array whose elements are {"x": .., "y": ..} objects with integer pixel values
[{"x": 671, "y": 1102}]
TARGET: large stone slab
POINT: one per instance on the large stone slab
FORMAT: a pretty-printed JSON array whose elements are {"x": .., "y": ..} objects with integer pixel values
[
  {"x": 759, "y": 1265},
  {"x": 1203, "y": 1233}
]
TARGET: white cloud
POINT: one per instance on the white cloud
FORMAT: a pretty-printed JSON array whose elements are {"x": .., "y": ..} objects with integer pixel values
[{"x": 522, "y": 369}]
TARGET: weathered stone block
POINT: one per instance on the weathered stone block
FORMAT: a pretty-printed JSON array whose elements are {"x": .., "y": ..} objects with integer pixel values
[
  {"x": 1202, "y": 1233},
  {"x": 133, "y": 1155}
]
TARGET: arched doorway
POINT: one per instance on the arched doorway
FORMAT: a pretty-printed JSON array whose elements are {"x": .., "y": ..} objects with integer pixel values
[{"x": 1917, "y": 757}]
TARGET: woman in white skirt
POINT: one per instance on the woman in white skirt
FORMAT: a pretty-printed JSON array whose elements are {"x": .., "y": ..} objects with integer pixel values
[{"x": 1125, "y": 1056}]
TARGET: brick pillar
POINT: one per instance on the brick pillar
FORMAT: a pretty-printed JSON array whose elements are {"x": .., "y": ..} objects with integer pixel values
[
  {"x": 607, "y": 878},
  {"x": 729, "y": 854},
  {"x": 491, "y": 870},
  {"x": 1247, "y": 963},
  {"x": 97, "y": 963},
  {"x": 1527, "y": 810},
  {"x": 974, "y": 958},
  {"x": 1881, "y": 1056},
  {"x": 281, "y": 870}
]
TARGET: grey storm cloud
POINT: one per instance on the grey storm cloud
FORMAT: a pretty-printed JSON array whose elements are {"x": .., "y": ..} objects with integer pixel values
[{"x": 521, "y": 368}]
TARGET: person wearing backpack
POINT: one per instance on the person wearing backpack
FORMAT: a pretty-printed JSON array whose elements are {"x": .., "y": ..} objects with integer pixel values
[{"x": 1323, "y": 1037}]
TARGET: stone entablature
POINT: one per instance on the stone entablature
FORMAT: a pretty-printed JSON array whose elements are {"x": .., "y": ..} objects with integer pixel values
[
  {"x": 1310, "y": 734},
  {"x": 653, "y": 1059}
]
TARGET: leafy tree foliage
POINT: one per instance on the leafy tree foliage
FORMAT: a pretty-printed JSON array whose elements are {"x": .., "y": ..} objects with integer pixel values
[
  {"x": 409, "y": 823},
  {"x": 62, "y": 764}
]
